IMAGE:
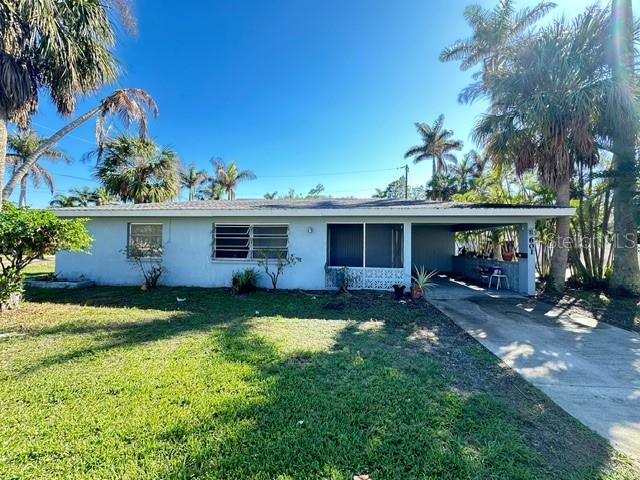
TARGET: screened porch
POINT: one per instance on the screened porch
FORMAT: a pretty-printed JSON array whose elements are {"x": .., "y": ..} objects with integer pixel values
[{"x": 371, "y": 253}]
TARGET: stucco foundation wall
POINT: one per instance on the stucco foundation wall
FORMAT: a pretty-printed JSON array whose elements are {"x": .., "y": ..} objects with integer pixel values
[
  {"x": 432, "y": 247},
  {"x": 187, "y": 254}
]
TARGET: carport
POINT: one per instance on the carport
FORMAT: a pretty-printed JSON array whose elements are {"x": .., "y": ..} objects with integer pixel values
[{"x": 433, "y": 246}]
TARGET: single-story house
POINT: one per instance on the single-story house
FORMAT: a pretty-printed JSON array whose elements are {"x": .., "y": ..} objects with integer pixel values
[{"x": 201, "y": 243}]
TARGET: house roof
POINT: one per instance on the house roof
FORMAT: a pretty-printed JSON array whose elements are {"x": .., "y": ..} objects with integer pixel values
[{"x": 313, "y": 207}]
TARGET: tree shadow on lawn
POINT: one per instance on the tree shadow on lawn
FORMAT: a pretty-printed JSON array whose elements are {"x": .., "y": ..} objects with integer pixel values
[
  {"x": 203, "y": 310},
  {"x": 390, "y": 402},
  {"x": 407, "y": 396}
]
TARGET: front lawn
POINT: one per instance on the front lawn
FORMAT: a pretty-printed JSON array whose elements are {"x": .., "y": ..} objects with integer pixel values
[{"x": 119, "y": 383}]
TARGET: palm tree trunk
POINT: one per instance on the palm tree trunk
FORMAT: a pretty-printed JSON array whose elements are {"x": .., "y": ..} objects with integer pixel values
[
  {"x": 190, "y": 194},
  {"x": 626, "y": 271},
  {"x": 497, "y": 246},
  {"x": 560, "y": 255},
  {"x": 22, "y": 202},
  {"x": 44, "y": 146},
  {"x": 4, "y": 120}
]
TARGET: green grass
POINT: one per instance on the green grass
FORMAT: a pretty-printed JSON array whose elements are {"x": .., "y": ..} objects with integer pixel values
[
  {"x": 40, "y": 268},
  {"x": 119, "y": 383}
]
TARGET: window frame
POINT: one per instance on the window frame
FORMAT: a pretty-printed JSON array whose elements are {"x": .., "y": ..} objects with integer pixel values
[
  {"x": 129, "y": 225},
  {"x": 364, "y": 243},
  {"x": 251, "y": 250}
]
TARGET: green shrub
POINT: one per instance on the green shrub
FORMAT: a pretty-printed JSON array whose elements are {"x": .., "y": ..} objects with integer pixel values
[
  {"x": 27, "y": 234},
  {"x": 245, "y": 281}
]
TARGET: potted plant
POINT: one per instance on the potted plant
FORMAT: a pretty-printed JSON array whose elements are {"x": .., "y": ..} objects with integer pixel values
[
  {"x": 508, "y": 251},
  {"x": 421, "y": 281},
  {"x": 507, "y": 256}
]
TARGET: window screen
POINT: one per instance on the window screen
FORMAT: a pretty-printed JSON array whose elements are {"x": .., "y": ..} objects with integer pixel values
[
  {"x": 270, "y": 241},
  {"x": 345, "y": 244},
  {"x": 384, "y": 244},
  {"x": 145, "y": 240},
  {"x": 232, "y": 241},
  {"x": 246, "y": 241}
]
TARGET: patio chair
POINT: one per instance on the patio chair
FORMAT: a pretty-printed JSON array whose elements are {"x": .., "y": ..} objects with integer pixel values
[{"x": 498, "y": 275}]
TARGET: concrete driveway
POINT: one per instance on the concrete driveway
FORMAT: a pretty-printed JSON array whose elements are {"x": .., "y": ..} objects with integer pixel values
[{"x": 590, "y": 369}]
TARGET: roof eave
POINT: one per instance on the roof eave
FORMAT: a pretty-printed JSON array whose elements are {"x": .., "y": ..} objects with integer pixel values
[{"x": 535, "y": 213}]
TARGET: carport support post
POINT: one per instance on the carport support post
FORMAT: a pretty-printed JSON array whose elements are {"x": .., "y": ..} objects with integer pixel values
[
  {"x": 406, "y": 254},
  {"x": 527, "y": 265}
]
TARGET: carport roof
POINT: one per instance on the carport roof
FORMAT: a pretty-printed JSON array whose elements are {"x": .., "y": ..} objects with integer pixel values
[{"x": 315, "y": 207}]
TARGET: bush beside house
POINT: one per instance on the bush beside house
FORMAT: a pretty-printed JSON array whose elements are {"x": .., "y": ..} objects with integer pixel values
[{"x": 28, "y": 234}]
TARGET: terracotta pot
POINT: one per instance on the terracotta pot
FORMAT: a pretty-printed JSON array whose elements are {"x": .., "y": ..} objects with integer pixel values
[
  {"x": 416, "y": 293},
  {"x": 507, "y": 257}
]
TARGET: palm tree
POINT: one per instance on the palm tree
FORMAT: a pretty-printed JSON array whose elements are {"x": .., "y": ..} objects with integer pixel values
[
  {"x": 62, "y": 48},
  {"x": 462, "y": 173},
  {"x": 441, "y": 187},
  {"x": 138, "y": 170},
  {"x": 100, "y": 196},
  {"x": 496, "y": 34},
  {"x": 479, "y": 162},
  {"x": 542, "y": 115},
  {"x": 622, "y": 119},
  {"x": 62, "y": 200},
  {"x": 228, "y": 176},
  {"x": 22, "y": 144},
  {"x": 468, "y": 170},
  {"x": 271, "y": 195},
  {"x": 214, "y": 191},
  {"x": 380, "y": 193},
  {"x": 130, "y": 105},
  {"x": 437, "y": 145},
  {"x": 191, "y": 178},
  {"x": 83, "y": 197}
]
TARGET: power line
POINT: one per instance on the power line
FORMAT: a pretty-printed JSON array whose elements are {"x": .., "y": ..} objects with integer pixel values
[
  {"x": 352, "y": 172},
  {"x": 68, "y": 135},
  {"x": 56, "y": 174}
]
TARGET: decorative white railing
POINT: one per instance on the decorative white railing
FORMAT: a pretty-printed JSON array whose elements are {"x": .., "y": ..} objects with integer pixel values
[{"x": 365, "y": 278}]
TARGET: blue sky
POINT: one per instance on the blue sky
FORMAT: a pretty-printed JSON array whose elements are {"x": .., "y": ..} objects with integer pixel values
[{"x": 293, "y": 90}]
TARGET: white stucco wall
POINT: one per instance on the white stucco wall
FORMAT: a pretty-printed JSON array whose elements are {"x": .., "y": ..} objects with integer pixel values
[
  {"x": 187, "y": 254},
  {"x": 187, "y": 250}
]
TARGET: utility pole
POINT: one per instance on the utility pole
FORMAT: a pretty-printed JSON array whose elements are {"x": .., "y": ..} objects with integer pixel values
[{"x": 406, "y": 182}]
